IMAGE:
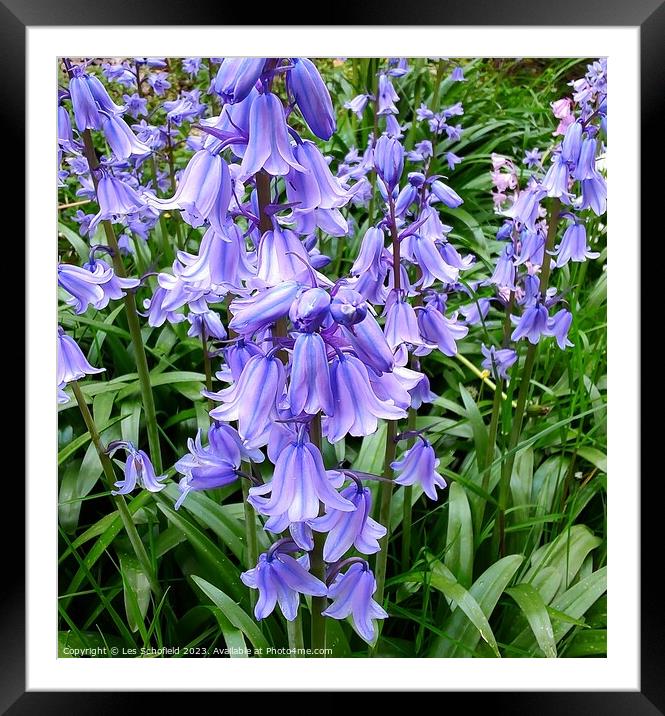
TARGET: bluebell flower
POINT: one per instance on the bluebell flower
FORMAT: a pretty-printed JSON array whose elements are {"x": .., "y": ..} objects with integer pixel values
[
  {"x": 431, "y": 262},
  {"x": 210, "y": 466},
  {"x": 347, "y": 529},
  {"x": 446, "y": 194},
  {"x": 206, "y": 325},
  {"x": 237, "y": 76},
  {"x": 532, "y": 324},
  {"x": 572, "y": 143},
  {"x": 115, "y": 287},
  {"x": 252, "y": 314},
  {"x": 310, "y": 309},
  {"x": 252, "y": 401},
  {"x": 532, "y": 158},
  {"x": 476, "y": 311},
  {"x": 84, "y": 285},
  {"x": 504, "y": 271},
  {"x": 457, "y": 75},
  {"x": 424, "y": 113},
  {"x": 122, "y": 141},
  {"x": 281, "y": 257},
  {"x": 532, "y": 248},
  {"x": 421, "y": 393},
  {"x": 452, "y": 160},
  {"x": 398, "y": 66},
  {"x": 418, "y": 466},
  {"x": 527, "y": 206},
  {"x": 317, "y": 188},
  {"x": 443, "y": 332},
  {"x": 555, "y": 182},
  {"x": 138, "y": 470},
  {"x": 191, "y": 65},
  {"x": 387, "y": 96},
  {"x": 71, "y": 363},
  {"x": 268, "y": 146},
  {"x": 348, "y": 307},
  {"x": 401, "y": 322},
  {"x": 389, "y": 160},
  {"x": 116, "y": 200},
  {"x": 309, "y": 386},
  {"x": 357, "y": 409},
  {"x": 298, "y": 484},
  {"x": 237, "y": 354},
  {"x": 312, "y": 97},
  {"x": 159, "y": 82},
  {"x": 586, "y": 164},
  {"x": 357, "y": 104},
  {"x": 498, "y": 360},
  {"x": 594, "y": 194},
  {"x": 369, "y": 256},
  {"x": 352, "y": 593},
  {"x": 573, "y": 246},
  {"x": 369, "y": 343},
  {"x": 281, "y": 579},
  {"x": 558, "y": 326}
]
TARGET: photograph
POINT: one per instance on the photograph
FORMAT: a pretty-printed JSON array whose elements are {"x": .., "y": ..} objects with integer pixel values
[{"x": 332, "y": 357}]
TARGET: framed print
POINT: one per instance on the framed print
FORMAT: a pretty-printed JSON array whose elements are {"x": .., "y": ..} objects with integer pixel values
[{"x": 343, "y": 369}]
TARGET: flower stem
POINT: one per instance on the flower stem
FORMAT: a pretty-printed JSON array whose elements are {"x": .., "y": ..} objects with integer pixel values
[
  {"x": 119, "y": 500},
  {"x": 406, "y": 507},
  {"x": 525, "y": 382},
  {"x": 206, "y": 365},
  {"x": 132, "y": 323},
  {"x": 317, "y": 565}
]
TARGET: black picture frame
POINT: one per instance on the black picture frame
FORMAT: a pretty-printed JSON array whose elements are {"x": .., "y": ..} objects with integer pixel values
[{"x": 649, "y": 15}]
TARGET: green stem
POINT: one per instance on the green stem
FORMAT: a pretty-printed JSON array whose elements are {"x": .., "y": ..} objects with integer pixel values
[
  {"x": 317, "y": 565},
  {"x": 251, "y": 545},
  {"x": 119, "y": 500},
  {"x": 296, "y": 638},
  {"x": 406, "y": 507},
  {"x": 132, "y": 323},
  {"x": 206, "y": 365},
  {"x": 525, "y": 382}
]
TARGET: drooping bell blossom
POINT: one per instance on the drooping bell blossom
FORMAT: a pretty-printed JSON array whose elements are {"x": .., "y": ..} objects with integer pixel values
[
  {"x": 252, "y": 401},
  {"x": 527, "y": 206},
  {"x": 191, "y": 65},
  {"x": 532, "y": 248},
  {"x": 431, "y": 262},
  {"x": 357, "y": 409},
  {"x": 301, "y": 533},
  {"x": 310, "y": 309},
  {"x": 401, "y": 324},
  {"x": 446, "y": 194},
  {"x": 453, "y": 258},
  {"x": 347, "y": 529},
  {"x": 269, "y": 146},
  {"x": 532, "y": 158},
  {"x": 237, "y": 76},
  {"x": 558, "y": 326},
  {"x": 312, "y": 97},
  {"x": 206, "y": 325},
  {"x": 138, "y": 470},
  {"x": 84, "y": 285},
  {"x": 204, "y": 191},
  {"x": 394, "y": 386},
  {"x": 159, "y": 82},
  {"x": 585, "y": 167},
  {"x": 157, "y": 313},
  {"x": 122, "y": 141},
  {"x": 113, "y": 289},
  {"x": 594, "y": 194},
  {"x": 504, "y": 272},
  {"x": 369, "y": 255},
  {"x": 409, "y": 192},
  {"x": 457, "y": 75},
  {"x": 65, "y": 134},
  {"x": 237, "y": 355},
  {"x": 421, "y": 393},
  {"x": 86, "y": 110},
  {"x": 399, "y": 66},
  {"x": 387, "y": 96},
  {"x": 281, "y": 579},
  {"x": 573, "y": 246},
  {"x": 71, "y": 363},
  {"x": 281, "y": 257},
  {"x": 437, "y": 329},
  {"x": 389, "y": 160},
  {"x": 555, "y": 182},
  {"x": 418, "y": 466},
  {"x": 572, "y": 143},
  {"x": 348, "y": 307},
  {"x": 233, "y": 121},
  {"x": 475, "y": 312},
  {"x": 252, "y": 314},
  {"x": 317, "y": 188},
  {"x": 309, "y": 386},
  {"x": 210, "y": 466},
  {"x": 369, "y": 343},
  {"x": 299, "y": 482},
  {"x": 498, "y": 360},
  {"x": 532, "y": 324},
  {"x": 452, "y": 160},
  {"x": 352, "y": 593},
  {"x": 357, "y": 104},
  {"x": 116, "y": 200}
]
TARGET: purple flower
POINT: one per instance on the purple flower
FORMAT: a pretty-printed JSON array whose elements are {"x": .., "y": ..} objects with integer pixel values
[
  {"x": 572, "y": 143},
  {"x": 352, "y": 593},
  {"x": 206, "y": 325},
  {"x": 401, "y": 322},
  {"x": 317, "y": 188},
  {"x": 309, "y": 309},
  {"x": 84, "y": 285},
  {"x": 281, "y": 257},
  {"x": 312, "y": 97},
  {"x": 504, "y": 272},
  {"x": 357, "y": 104},
  {"x": 527, "y": 206},
  {"x": 532, "y": 324},
  {"x": 269, "y": 147},
  {"x": 71, "y": 363},
  {"x": 309, "y": 386},
  {"x": 421, "y": 393},
  {"x": 214, "y": 465},
  {"x": 237, "y": 76},
  {"x": 299, "y": 482},
  {"x": 389, "y": 160},
  {"x": 532, "y": 158},
  {"x": 498, "y": 360},
  {"x": 369, "y": 255},
  {"x": 441, "y": 331},
  {"x": 259, "y": 311},
  {"x": 115, "y": 287},
  {"x": 558, "y": 326},
  {"x": 204, "y": 191},
  {"x": 457, "y": 75},
  {"x": 356, "y": 406},
  {"x": 573, "y": 246},
  {"x": 445, "y": 194},
  {"x": 191, "y": 65},
  {"x": 452, "y": 160},
  {"x": 369, "y": 343},
  {"x": 555, "y": 182},
  {"x": 281, "y": 579},
  {"x": 252, "y": 401},
  {"x": 122, "y": 141},
  {"x": 594, "y": 194},
  {"x": 347, "y": 529},
  {"x": 348, "y": 307},
  {"x": 159, "y": 82},
  {"x": 138, "y": 470},
  {"x": 387, "y": 96},
  {"x": 116, "y": 199},
  {"x": 418, "y": 465},
  {"x": 431, "y": 262},
  {"x": 586, "y": 164}
]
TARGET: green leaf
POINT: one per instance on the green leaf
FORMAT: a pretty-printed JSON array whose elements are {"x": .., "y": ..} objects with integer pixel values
[
  {"x": 480, "y": 437},
  {"x": 531, "y": 603},
  {"x": 372, "y": 452},
  {"x": 235, "y": 642},
  {"x": 590, "y": 642},
  {"x": 461, "y": 635},
  {"x": 234, "y": 613},
  {"x": 78, "y": 244},
  {"x": 459, "y": 536},
  {"x": 68, "y": 507},
  {"x": 136, "y": 589},
  {"x": 594, "y": 456}
]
